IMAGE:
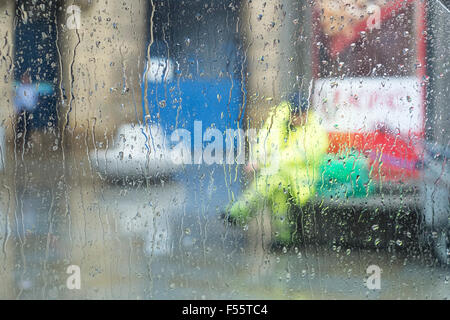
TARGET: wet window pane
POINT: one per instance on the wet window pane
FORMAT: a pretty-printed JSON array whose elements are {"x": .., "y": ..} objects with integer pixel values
[{"x": 224, "y": 149}]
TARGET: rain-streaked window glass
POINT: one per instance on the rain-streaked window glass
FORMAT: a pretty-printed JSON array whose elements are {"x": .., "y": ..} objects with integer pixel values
[{"x": 224, "y": 149}]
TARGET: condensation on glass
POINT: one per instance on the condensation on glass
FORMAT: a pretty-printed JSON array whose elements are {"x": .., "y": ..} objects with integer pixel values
[{"x": 217, "y": 149}]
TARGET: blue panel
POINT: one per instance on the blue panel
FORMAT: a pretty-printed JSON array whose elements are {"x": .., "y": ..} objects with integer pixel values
[{"x": 177, "y": 104}]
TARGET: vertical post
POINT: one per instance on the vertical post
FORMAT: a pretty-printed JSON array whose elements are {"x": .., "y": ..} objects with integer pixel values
[
  {"x": 276, "y": 36},
  {"x": 6, "y": 133},
  {"x": 103, "y": 58}
]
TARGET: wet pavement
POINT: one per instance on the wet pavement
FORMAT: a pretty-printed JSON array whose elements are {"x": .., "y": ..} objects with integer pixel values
[{"x": 164, "y": 239}]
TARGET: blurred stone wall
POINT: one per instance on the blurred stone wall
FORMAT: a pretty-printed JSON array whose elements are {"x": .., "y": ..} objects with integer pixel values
[
  {"x": 102, "y": 63},
  {"x": 6, "y": 63}
]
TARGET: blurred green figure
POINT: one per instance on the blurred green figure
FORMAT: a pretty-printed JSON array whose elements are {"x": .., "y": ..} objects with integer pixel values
[{"x": 287, "y": 156}]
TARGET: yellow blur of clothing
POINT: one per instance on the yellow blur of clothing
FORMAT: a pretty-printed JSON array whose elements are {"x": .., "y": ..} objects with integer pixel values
[{"x": 288, "y": 159}]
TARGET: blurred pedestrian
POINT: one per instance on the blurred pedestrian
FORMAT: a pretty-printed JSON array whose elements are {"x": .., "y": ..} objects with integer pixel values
[
  {"x": 26, "y": 104},
  {"x": 289, "y": 150}
]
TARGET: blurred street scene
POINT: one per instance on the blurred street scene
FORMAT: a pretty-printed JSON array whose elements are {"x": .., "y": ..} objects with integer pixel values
[{"x": 145, "y": 152}]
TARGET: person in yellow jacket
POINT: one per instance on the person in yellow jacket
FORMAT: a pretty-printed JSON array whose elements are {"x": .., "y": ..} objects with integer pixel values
[{"x": 288, "y": 153}]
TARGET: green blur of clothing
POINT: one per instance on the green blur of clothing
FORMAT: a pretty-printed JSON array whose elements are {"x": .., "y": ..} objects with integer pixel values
[
  {"x": 344, "y": 175},
  {"x": 289, "y": 160}
]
